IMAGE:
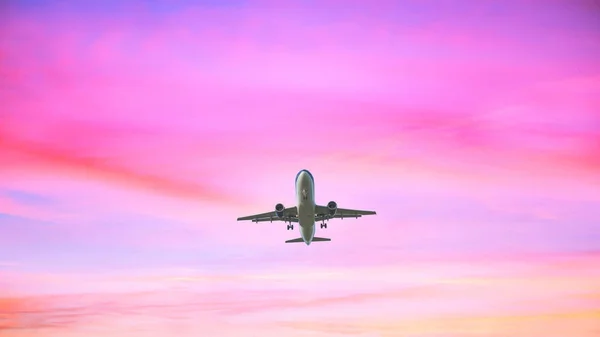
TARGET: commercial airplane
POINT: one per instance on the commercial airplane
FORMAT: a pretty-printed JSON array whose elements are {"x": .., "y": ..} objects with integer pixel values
[{"x": 306, "y": 213}]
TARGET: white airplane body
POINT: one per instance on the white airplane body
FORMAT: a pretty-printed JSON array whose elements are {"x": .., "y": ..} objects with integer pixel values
[{"x": 307, "y": 212}]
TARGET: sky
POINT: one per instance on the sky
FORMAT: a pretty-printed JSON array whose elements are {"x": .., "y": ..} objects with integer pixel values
[{"x": 134, "y": 133}]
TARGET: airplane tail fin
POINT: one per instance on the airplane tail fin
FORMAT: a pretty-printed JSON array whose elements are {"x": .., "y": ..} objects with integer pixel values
[{"x": 315, "y": 239}]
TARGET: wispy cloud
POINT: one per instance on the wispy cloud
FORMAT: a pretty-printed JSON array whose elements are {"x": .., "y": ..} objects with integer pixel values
[{"x": 425, "y": 300}]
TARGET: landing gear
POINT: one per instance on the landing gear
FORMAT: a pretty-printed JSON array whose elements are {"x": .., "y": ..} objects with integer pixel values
[
  {"x": 289, "y": 227},
  {"x": 324, "y": 225}
]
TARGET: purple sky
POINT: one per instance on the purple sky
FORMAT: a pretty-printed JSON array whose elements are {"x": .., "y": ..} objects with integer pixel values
[{"x": 133, "y": 135}]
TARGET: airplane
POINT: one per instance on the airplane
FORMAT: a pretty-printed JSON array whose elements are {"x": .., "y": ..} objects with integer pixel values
[{"x": 307, "y": 212}]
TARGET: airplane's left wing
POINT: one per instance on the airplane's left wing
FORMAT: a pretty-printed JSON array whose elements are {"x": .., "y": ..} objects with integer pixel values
[
  {"x": 323, "y": 213},
  {"x": 352, "y": 212},
  {"x": 289, "y": 215}
]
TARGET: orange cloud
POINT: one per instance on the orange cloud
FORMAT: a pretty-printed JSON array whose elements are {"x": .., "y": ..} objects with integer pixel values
[
  {"x": 578, "y": 323},
  {"x": 542, "y": 300}
]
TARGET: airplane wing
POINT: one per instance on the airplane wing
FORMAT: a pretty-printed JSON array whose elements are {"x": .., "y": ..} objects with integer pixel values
[
  {"x": 336, "y": 216},
  {"x": 323, "y": 213},
  {"x": 289, "y": 215}
]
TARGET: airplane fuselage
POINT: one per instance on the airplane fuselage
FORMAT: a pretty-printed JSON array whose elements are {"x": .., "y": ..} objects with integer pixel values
[{"x": 305, "y": 197}]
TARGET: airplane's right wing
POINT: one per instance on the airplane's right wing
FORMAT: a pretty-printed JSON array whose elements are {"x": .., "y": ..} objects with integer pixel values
[{"x": 289, "y": 215}]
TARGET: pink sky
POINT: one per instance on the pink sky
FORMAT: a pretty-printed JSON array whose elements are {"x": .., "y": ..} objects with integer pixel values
[{"x": 132, "y": 136}]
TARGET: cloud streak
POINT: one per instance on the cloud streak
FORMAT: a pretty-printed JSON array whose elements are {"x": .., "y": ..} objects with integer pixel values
[{"x": 506, "y": 304}]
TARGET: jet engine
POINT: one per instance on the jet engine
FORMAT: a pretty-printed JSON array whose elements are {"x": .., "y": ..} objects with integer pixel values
[
  {"x": 332, "y": 208},
  {"x": 279, "y": 210}
]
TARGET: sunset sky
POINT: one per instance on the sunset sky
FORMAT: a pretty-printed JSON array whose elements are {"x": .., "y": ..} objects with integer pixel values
[{"x": 134, "y": 133}]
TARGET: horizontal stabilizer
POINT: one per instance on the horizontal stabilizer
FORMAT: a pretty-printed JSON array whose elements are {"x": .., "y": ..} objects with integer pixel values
[
  {"x": 295, "y": 240},
  {"x": 302, "y": 240},
  {"x": 320, "y": 239}
]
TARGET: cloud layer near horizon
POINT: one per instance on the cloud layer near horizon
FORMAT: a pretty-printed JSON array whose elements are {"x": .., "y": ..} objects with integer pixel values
[
  {"x": 417, "y": 299},
  {"x": 132, "y": 136}
]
